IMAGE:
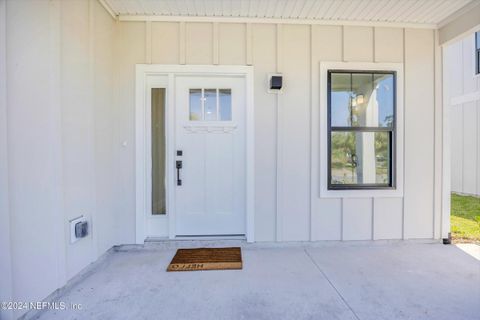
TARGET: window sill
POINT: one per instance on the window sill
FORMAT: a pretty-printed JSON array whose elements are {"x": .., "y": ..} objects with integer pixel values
[{"x": 362, "y": 193}]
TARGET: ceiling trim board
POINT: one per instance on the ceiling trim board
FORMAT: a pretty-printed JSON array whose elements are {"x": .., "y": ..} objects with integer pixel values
[{"x": 275, "y": 21}]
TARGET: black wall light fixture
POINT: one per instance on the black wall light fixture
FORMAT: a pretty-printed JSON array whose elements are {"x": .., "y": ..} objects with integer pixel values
[{"x": 275, "y": 83}]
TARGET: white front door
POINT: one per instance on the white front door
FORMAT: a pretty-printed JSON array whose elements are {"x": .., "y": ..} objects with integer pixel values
[{"x": 210, "y": 157}]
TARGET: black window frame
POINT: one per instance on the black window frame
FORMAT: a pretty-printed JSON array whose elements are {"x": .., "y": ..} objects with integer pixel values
[
  {"x": 477, "y": 53},
  {"x": 392, "y": 137}
]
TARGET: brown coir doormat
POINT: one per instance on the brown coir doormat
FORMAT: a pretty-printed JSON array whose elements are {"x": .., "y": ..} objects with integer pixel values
[{"x": 206, "y": 259}]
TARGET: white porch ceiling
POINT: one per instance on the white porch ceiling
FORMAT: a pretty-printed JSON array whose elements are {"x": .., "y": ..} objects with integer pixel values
[{"x": 425, "y": 12}]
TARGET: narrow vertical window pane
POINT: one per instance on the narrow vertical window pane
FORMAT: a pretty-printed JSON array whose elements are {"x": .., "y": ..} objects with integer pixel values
[
  {"x": 195, "y": 104},
  {"x": 384, "y": 98},
  {"x": 210, "y": 99},
  {"x": 477, "y": 52},
  {"x": 225, "y": 97},
  {"x": 158, "y": 152},
  {"x": 340, "y": 99},
  {"x": 360, "y": 157}
]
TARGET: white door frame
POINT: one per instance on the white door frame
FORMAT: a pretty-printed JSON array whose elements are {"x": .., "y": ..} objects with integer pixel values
[{"x": 142, "y": 140}]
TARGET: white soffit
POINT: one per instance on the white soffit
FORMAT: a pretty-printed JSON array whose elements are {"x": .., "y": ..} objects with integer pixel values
[{"x": 407, "y": 13}]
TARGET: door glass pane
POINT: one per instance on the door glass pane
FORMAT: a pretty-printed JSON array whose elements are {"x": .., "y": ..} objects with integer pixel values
[
  {"x": 360, "y": 157},
  {"x": 340, "y": 99},
  {"x": 210, "y": 96},
  {"x": 158, "y": 152},
  {"x": 195, "y": 104},
  {"x": 225, "y": 97}
]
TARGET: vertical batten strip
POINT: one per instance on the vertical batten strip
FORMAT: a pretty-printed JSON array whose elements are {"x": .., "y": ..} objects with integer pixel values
[
  {"x": 55, "y": 99},
  {"x": 279, "y": 48},
  {"x": 373, "y": 218},
  {"x": 91, "y": 98},
  {"x": 215, "y": 43},
  {"x": 279, "y": 130},
  {"x": 148, "y": 42},
  {"x": 310, "y": 111},
  {"x": 182, "y": 44},
  {"x": 404, "y": 121},
  {"x": 249, "y": 44},
  {"x": 343, "y": 44},
  {"x": 341, "y": 219},
  {"x": 374, "y": 53},
  {"x": 312, "y": 197}
]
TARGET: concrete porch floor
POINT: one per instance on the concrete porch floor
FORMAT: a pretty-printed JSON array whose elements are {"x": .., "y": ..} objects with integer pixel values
[{"x": 304, "y": 281}]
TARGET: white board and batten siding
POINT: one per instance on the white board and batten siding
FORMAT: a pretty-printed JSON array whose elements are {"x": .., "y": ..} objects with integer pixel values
[
  {"x": 57, "y": 139},
  {"x": 462, "y": 93},
  {"x": 287, "y": 202},
  {"x": 77, "y": 65}
]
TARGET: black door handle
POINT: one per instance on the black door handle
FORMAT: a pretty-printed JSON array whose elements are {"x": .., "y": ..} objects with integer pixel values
[{"x": 178, "y": 165}]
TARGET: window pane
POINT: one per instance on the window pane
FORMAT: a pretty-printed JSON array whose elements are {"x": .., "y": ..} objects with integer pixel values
[
  {"x": 384, "y": 96},
  {"x": 225, "y": 96},
  {"x": 210, "y": 96},
  {"x": 195, "y": 104},
  {"x": 362, "y": 100},
  {"x": 477, "y": 41},
  {"x": 158, "y": 151},
  {"x": 360, "y": 157},
  {"x": 478, "y": 61},
  {"x": 340, "y": 99}
]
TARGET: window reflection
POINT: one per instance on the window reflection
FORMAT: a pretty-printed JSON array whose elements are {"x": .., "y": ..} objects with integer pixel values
[
  {"x": 360, "y": 157},
  {"x": 196, "y": 104},
  {"x": 225, "y": 97},
  {"x": 158, "y": 152},
  {"x": 362, "y": 100},
  {"x": 210, "y": 104},
  {"x": 210, "y": 100},
  {"x": 361, "y": 131}
]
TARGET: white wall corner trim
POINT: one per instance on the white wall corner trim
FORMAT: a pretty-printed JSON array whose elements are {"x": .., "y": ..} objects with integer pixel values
[
  {"x": 144, "y": 75},
  {"x": 398, "y": 68},
  {"x": 140, "y": 158}
]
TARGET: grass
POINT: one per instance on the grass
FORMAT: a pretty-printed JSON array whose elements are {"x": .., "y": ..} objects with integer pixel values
[{"x": 465, "y": 218}]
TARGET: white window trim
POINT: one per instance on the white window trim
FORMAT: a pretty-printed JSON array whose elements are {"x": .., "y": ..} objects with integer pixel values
[{"x": 399, "y": 152}]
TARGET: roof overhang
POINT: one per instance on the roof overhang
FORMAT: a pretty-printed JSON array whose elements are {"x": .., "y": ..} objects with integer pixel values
[
  {"x": 460, "y": 24},
  {"x": 451, "y": 17}
]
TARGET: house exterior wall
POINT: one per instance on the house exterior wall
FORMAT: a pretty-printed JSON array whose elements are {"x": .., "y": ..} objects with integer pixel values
[
  {"x": 287, "y": 202},
  {"x": 70, "y": 130},
  {"x": 462, "y": 94},
  {"x": 56, "y": 136}
]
